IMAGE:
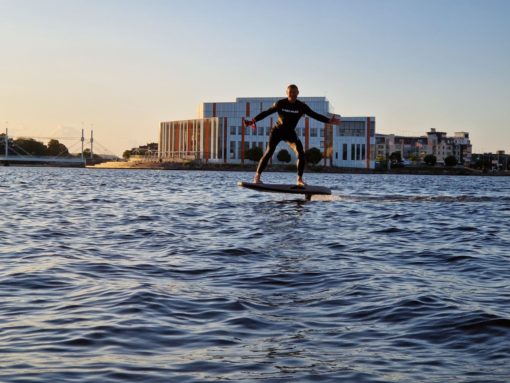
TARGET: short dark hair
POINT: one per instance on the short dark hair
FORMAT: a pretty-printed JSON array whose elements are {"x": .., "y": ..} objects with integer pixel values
[{"x": 294, "y": 86}]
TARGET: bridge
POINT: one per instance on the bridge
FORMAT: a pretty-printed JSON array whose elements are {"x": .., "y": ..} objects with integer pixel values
[
  {"x": 54, "y": 160},
  {"x": 16, "y": 155}
]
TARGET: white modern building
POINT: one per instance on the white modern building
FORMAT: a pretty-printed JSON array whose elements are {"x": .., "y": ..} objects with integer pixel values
[{"x": 218, "y": 136}]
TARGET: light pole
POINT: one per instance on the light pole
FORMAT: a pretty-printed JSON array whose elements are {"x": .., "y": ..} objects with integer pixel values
[
  {"x": 6, "y": 142},
  {"x": 92, "y": 144},
  {"x": 82, "y": 143}
]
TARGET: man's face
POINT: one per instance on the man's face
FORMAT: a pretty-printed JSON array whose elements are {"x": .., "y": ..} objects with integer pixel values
[{"x": 292, "y": 94}]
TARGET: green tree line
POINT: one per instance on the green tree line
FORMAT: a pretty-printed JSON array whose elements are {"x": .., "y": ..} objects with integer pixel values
[{"x": 29, "y": 146}]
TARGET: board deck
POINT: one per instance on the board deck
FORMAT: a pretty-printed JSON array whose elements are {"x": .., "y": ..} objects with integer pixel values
[{"x": 308, "y": 190}]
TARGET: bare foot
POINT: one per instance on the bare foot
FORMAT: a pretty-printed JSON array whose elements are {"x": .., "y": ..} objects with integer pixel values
[
  {"x": 256, "y": 179},
  {"x": 300, "y": 182}
]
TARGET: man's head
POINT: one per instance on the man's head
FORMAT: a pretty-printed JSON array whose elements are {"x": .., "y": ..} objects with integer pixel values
[{"x": 292, "y": 92}]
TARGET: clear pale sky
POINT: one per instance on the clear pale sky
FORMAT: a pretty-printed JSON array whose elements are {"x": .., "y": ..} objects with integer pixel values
[{"x": 123, "y": 66}]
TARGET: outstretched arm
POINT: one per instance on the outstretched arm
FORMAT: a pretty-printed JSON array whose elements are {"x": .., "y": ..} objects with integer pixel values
[
  {"x": 265, "y": 113},
  {"x": 335, "y": 120},
  {"x": 260, "y": 116}
]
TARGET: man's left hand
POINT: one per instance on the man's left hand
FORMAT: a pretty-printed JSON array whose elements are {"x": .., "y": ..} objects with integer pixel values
[{"x": 335, "y": 120}]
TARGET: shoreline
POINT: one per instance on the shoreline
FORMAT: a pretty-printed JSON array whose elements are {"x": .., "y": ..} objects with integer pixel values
[{"x": 292, "y": 168}]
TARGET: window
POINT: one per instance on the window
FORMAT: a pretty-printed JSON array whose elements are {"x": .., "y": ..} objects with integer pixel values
[
  {"x": 239, "y": 130},
  {"x": 233, "y": 130},
  {"x": 261, "y": 130},
  {"x": 313, "y": 132},
  {"x": 232, "y": 149},
  {"x": 352, "y": 129},
  {"x": 322, "y": 144},
  {"x": 363, "y": 152},
  {"x": 322, "y": 132},
  {"x": 353, "y": 152},
  {"x": 344, "y": 152},
  {"x": 358, "y": 152}
]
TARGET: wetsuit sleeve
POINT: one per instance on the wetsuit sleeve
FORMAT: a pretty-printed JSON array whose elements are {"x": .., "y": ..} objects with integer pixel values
[
  {"x": 266, "y": 113},
  {"x": 309, "y": 112}
]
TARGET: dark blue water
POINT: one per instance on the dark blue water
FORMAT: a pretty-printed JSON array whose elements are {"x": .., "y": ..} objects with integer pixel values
[{"x": 162, "y": 276}]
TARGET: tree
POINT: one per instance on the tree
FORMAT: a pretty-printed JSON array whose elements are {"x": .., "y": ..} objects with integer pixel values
[
  {"x": 450, "y": 161},
  {"x": 477, "y": 161},
  {"x": 430, "y": 159},
  {"x": 24, "y": 146},
  {"x": 313, "y": 156},
  {"x": 126, "y": 154},
  {"x": 55, "y": 148},
  {"x": 283, "y": 156},
  {"x": 396, "y": 157},
  {"x": 414, "y": 158},
  {"x": 254, "y": 154},
  {"x": 87, "y": 153},
  {"x": 2, "y": 144},
  {"x": 381, "y": 162}
]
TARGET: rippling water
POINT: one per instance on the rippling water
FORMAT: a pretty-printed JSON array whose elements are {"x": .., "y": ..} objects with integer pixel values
[{"x": 163, "y": 276}]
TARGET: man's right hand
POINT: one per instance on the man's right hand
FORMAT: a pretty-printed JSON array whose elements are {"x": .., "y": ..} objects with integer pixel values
[{"x": 249, "y": 122}]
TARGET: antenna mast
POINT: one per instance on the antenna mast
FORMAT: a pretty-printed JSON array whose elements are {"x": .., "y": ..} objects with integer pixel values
[{"x": 91, "y": 144}]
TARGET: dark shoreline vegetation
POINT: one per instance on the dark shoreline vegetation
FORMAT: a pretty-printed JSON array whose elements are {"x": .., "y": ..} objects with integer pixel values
[{"x": 418, "y": 170}]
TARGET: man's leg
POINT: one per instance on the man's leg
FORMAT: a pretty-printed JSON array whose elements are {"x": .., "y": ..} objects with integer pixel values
[
  {"x": 274, "y": 140},
  {"x": 297, "y": 147}
]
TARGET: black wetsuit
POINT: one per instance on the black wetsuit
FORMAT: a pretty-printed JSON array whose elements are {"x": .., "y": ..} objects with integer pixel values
[{"x": 289, "y": 114}]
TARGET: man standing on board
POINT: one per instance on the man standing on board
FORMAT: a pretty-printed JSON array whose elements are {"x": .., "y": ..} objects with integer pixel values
[{"x": 289, "y": 110}]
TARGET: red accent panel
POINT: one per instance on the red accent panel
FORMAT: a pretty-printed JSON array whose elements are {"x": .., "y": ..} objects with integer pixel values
[
  {"x": 367, "y": 149},
  {"x": 176, "y": 136},
  {"x": 242, "y": 141},
  {"x": 190, "y": 129},
  {"x": 225, "y": 149},
  {"x": 325, "y": 144},
  {"x": 270, "y": 126},
  {"x": 247, "y": 109},
  {"x": 307, "y": 133},
  {"x": 207, "y": 139}
]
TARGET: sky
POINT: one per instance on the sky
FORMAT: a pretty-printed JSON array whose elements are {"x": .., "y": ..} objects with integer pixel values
[{"x": 120, "y": 67}]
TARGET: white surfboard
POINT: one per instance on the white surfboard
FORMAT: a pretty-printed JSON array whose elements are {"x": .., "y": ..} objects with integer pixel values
[{"x": 307, "y": 190}]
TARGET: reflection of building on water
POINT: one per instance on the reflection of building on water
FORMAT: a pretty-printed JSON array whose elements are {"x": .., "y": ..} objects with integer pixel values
[{"x": 218, "y": 136}]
